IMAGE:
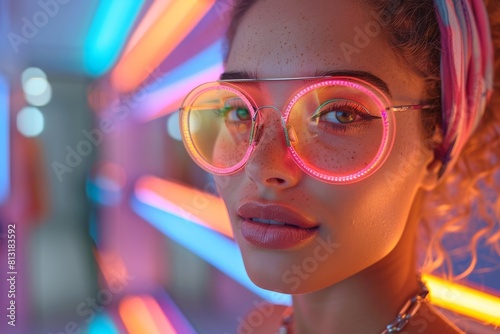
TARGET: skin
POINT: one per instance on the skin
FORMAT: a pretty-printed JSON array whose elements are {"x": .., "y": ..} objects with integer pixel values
[{"x": 363, "y": 283}]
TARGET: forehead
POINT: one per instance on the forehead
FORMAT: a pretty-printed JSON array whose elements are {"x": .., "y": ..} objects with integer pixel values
[
  {"x": 280, "y": 34},
  {"x": 285, "y": 38}
]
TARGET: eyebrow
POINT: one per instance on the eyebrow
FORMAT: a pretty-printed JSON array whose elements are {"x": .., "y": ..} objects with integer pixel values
[{"x": 363, "y": 75}]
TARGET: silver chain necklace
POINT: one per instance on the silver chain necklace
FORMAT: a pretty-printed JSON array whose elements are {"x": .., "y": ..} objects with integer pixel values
[{"x": 408, "y": 310}]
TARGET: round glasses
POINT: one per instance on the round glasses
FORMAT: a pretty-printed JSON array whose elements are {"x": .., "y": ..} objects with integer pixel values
[{"x": 337, "y": 129}]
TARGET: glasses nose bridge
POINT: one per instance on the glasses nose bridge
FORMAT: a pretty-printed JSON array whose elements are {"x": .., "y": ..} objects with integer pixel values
[
  {"x": 269, "y": 107},
  {"x": 259, "y": 125}
]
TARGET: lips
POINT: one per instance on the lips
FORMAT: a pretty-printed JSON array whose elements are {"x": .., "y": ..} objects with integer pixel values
[
  {"x": 274, "y": 226},
  {"x": 274, "y": 212}
]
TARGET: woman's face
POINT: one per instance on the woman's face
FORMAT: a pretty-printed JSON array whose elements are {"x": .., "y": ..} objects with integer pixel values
[{"x": 355, "y": 225}]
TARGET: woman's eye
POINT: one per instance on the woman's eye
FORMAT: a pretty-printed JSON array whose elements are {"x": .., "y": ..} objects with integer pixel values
[
  {"x": 341, "y": 112},
  {"x": 235, "y": 110},
  {"x": 340, "y": 116},
  {"x": 237, "y": 113}
]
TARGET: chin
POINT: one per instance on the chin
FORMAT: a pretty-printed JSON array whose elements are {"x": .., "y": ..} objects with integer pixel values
[
  {"x": 270, "y": 283},
  {"x": 282, "y": 272},
  {"x": 288, "y": 282},
  {"x": 299, "y": 272}
]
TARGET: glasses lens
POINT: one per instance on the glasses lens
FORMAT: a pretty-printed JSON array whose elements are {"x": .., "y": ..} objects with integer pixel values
[
  {"x": 338, "y": 129},
  {"x": 219, "y": 124}
]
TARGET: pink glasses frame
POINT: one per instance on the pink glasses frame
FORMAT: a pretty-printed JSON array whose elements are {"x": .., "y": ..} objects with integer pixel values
[{"x": 367, "y": 88}]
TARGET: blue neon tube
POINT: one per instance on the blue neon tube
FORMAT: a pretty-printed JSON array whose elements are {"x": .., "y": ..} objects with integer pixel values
[{"x": 108, "y": 33}]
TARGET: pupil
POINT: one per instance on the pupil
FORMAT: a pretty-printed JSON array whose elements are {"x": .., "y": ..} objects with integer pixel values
[
  {"x": 242, "y": 113},
  {"x": 345, "y": 117}
]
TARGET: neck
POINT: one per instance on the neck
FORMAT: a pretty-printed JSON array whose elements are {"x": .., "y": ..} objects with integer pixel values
[{"x": 367, "y": 301}]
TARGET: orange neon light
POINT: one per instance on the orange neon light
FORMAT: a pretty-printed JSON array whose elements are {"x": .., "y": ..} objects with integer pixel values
[
  {"x": 136, "y": 317},
  {"x": 152, "y": 15},
  {"x": 464, "y": 300},
  {"x": 201, "y": 207},
  {"x": 159, "y": 316},
  {"x": 176, "y": 21},
  {"x": 112, "y": 266}
]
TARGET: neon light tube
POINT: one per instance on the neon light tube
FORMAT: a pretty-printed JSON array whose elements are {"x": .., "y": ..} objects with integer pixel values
[
  {"x": 464, "y": 300},
  {"x": 216, "y": 249},
  {"x": 136, "y": 317},
  {"x": 4, "y": 140},
  {"x": 152, "y": 15},
  {"x": 185, "y": 202},
  {"x": 173, "y": 25},
  {"x": 173, "y": 313},
  {"x": 159, "y": 317},
  {"x": 102, "y": 323},
  {"x": 160, "y": 104},
  {"x": 167, "y": 93},
  {"x": 108, "y": 32}
]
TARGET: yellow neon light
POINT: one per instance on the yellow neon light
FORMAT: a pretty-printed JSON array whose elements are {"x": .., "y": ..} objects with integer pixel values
[{"x": 464, "y": 300}]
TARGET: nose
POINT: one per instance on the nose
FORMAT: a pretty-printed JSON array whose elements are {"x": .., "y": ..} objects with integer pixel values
[{"x": 270, "y": 164}]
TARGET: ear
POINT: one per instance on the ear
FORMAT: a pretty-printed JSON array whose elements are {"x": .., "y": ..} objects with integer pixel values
[
  {"x": 432, "y": 175},
  {"x": 433, "y": 168}
]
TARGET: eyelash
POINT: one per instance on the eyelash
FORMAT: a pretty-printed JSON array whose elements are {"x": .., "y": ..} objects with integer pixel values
[
  {"x": 346, "y": 106},
  {"x": 223, "y": 112}
]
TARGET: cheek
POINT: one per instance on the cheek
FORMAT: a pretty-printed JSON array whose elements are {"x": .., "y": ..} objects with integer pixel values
[
  {"x": 365, "y": 220},
  {"x": 230, "y": 190},
  {"x": 406, "y": 167},
  {"x": 231, "y": 144},
  {"x": 377, "y": 209},
  {"x": 225, "y": 186},
  {"x": 361, "y": 222}
]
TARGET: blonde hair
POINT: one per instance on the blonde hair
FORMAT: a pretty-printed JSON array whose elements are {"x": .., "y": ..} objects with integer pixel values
[{"x": 467, "y": 202}]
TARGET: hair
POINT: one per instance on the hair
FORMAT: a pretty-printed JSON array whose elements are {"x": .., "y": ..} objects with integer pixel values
[{"x": 466, "y": 202}]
